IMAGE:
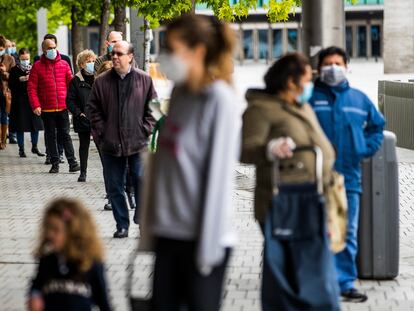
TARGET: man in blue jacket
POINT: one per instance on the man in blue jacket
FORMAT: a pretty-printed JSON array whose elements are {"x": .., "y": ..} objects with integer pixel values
[{"x": 355, "y": 128}]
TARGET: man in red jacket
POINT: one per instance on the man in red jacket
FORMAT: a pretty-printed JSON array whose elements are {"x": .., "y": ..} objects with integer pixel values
[{"x": 47, "y": 88}]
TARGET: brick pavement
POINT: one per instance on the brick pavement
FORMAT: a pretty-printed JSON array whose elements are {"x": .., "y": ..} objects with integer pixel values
[{"x": 25, "y": 187}]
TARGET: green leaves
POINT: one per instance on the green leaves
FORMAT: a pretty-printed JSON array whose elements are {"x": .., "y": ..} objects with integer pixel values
[
  {"x": 279, "y": 10},
  {"x": 157, "y": 10}
]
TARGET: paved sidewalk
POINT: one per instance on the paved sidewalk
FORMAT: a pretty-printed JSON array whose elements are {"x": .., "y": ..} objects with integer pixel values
[{"x": 25, "y": 187}]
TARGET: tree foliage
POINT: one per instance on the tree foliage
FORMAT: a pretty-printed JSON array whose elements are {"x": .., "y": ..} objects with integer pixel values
[
  {"x": 156, "y": 11},
  {"x": 18, "y": 17}
]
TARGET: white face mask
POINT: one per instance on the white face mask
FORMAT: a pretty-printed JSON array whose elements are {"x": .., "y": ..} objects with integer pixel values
[
  {"x": 25, "y": 63},
  {"x": 174, "y": 67},
  {"x": 333, "y": 75},
  {"x": 2, "y": 52}
]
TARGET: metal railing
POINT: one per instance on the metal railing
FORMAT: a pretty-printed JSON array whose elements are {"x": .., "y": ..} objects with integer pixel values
[{"x": 396, "y": 102}]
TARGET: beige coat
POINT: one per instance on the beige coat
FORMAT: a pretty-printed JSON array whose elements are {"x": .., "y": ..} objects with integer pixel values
[{"x": 268, "y": 117}]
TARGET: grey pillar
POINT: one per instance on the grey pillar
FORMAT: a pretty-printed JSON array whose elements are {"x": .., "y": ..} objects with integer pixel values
[
  {"x": 398, "y": 36},
  {"x": 323, "y": 25},
  {"x": 137, "y": 36},
  {"x": 41, "y": 28}
]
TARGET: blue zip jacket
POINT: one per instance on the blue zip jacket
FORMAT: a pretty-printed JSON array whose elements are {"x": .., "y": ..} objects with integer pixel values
[{"x": 353, "y": 125}]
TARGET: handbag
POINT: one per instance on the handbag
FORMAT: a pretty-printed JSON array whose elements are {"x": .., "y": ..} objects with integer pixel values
[
  {"x": 337, "y": 212},
  {"x": 298, "y": 209},
  {"x": 143, "y": 216},
  {"x": 7, "y": 96},
  {"x": 136, "y": 303}
]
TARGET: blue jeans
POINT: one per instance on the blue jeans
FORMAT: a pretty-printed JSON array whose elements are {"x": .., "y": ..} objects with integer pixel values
[
  {"x": 33, "y": 135},
  {"x": 115, "y": 180},
  {"x": 346, "y": 260}
]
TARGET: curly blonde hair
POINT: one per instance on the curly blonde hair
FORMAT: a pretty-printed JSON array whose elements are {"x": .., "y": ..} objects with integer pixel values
[
  {"x": 83, "y": 247},
  {"x": 83, "y": 56}
]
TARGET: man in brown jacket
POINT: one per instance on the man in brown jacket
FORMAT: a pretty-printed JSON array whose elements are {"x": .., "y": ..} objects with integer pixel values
[{"x": 121, "y": 124}]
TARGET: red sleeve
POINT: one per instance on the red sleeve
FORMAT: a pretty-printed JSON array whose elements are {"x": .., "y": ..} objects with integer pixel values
[
  {"x": 32, "y": 85},
  {"x": 68, "y": 74}
]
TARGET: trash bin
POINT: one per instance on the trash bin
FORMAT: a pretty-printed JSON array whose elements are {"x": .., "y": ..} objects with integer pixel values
[{"x": 378, "y": 236}]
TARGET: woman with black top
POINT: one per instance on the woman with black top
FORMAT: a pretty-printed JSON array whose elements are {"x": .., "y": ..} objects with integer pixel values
[
  {"x": 76, "y": 101},
  {"x": 22, "y": 118}
]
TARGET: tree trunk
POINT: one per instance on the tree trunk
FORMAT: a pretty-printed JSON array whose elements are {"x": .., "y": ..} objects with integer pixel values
[
  {"x": 104, "y": 27},
  {"x": 193, "y": 7},
  {"x": 120, "y": 20},
  {"x": 147, "y": 45},
  {"x": 77, "y": 42}
]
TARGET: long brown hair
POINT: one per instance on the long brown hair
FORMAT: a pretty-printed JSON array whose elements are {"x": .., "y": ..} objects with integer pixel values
[
  {"x": 217, "y": 36},
  {"x": 83, "y": 246}
]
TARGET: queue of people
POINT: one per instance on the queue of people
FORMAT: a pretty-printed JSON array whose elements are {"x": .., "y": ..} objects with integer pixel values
[{"x": 296, "y": 132}]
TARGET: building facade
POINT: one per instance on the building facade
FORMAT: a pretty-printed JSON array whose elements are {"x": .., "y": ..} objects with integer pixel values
[{"x": 261, "y": 41}]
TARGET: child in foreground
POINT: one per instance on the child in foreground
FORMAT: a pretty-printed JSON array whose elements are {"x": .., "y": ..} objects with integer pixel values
[{"x": 70, "y": 274}]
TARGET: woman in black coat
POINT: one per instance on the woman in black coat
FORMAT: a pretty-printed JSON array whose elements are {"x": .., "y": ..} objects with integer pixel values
[
  {"x": 76, "y": 100},
  {"x": 22, "y": 118}
]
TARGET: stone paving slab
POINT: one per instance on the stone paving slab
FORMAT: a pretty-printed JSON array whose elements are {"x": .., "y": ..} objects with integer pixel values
[{"x": 25, "y": 187}]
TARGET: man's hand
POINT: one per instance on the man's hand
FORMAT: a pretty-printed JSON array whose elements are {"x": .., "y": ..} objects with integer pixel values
[
  {"x": 2, "y": 68},
  {"x": 37, "y": 111},
  {"x": 24, "y": 78}
]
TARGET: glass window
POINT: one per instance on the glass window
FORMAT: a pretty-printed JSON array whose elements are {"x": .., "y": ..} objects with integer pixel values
[
  {"x": 376, "y": 41},
  {"x": 248, "y": 44},
  {"x": 362, "y": 41},
  {"x": 349, "y": 40},
  {"x": 94, "y": 42},
  {"x": 162, "y": 39},
  {"x": 263, "y": 43},
  {"x": 152, "y": 47},
  {"x": 292, "y": 40},
  {"x": 277, "y": 43}
]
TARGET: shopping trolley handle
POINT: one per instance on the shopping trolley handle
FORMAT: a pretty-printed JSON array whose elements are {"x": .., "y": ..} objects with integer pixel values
[{"x": 318, "y": 167}]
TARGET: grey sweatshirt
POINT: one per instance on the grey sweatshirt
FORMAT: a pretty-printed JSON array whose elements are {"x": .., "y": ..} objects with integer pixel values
[{"x": 198, "y": 148}]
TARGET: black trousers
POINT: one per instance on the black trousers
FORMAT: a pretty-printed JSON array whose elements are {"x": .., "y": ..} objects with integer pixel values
[
  {"x": 57, "y": 125},
  {"x": 84, "y": 143},
  {"x": 59, "y": 145},
  {"x": 178, "y": 285}
]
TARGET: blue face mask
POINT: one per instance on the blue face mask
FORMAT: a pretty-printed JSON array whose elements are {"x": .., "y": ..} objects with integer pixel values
[
  {"x": 306, "y": 94},
  {"x": 110, "y": 48},
  {"x": 51, "y": 54},
  {"x": 25, "y": 63},
  {"x": 9, "y": 51},
  {"x": 90, "y": 67},
  {"x": 14, "y": 50}
]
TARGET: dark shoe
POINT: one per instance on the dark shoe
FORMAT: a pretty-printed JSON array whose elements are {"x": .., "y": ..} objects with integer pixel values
[
  {"x": 47, "y": 162},
  {"x": 353, "y": 295},
  {"x": 74, "y": 168},
  {"x": 54, "y": 169},
  {"x": 82, "y": 177},
  {"x": 108, "y": 206},
  {"x": 120, "y": 234},
  {"x": 136, "y": 217},
  {"x": 22, "y": 154},
  {"x": 12, "y": 140},
  {"x": 36, "y": 151},
  {"x": 61, "y": 159}
]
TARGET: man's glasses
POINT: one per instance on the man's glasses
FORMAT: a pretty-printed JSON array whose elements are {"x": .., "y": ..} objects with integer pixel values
[{"x": 119, "y": 54}]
